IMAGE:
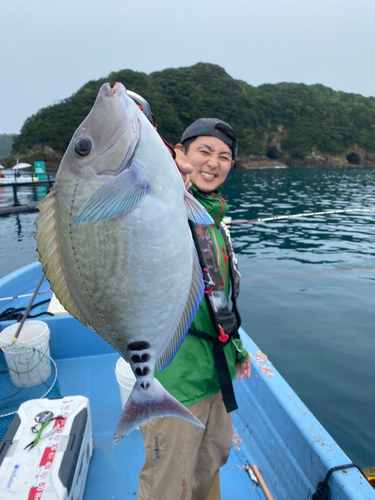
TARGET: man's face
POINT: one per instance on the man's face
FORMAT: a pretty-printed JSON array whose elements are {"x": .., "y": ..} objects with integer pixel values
[{"x": 212, "y": 160}]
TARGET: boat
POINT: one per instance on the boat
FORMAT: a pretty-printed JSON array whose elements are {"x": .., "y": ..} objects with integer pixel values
[{"x": 275, "y": 434}]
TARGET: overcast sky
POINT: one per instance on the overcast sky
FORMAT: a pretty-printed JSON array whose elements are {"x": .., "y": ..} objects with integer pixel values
[{"x": 50, "y": 48}]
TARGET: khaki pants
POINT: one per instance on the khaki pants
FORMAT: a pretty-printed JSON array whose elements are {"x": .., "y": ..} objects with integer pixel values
[{"x": 183, "y": 460}]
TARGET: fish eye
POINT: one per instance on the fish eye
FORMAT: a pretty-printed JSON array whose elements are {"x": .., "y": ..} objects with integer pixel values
[{"x": 83, "y": 146}]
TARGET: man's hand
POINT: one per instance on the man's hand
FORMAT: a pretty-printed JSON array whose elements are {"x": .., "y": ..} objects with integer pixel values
[
  {"x": 244, "y": 369},
  {"x": 184, "y": 167}
]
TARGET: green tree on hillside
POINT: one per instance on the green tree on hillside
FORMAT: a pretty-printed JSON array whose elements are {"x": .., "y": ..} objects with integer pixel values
[
  {"x": 311, "y": 117},
  {"x": 6, "y": 141}
]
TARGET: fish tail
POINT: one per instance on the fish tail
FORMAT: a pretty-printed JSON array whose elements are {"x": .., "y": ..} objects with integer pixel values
[{"x": 155, "y": 402}]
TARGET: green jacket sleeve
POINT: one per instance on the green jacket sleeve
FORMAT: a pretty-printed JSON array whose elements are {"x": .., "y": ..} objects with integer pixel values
[{"x": 241, "y": 353}]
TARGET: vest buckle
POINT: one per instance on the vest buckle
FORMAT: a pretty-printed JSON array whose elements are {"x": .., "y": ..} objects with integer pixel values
[
  {"x": 223, "y": 337},
  {"x": 208, "y": 282}
]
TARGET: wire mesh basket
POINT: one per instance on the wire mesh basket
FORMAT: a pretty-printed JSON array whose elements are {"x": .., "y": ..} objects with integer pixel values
[{"x": 25, "y": 373}]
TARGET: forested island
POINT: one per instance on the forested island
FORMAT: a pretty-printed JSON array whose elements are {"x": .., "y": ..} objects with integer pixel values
[{"x": 277, "y": 124}]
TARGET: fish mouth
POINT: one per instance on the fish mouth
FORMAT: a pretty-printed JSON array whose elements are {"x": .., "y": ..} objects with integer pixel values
[
  {"x": 120, "y": 92},
  {"x": 107, "y": 91},
  {"x": 126, "y": 118}
]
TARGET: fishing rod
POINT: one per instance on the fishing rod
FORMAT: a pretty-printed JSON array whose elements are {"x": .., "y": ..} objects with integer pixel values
[
  {"x": 264, "y": 219},
  {"x": 292, "y": 216}
]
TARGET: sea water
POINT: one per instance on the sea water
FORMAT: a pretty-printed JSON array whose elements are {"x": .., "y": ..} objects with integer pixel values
[{"x": 307, "y": 289}]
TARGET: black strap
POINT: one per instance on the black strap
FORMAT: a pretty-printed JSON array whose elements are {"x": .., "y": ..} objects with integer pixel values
[
  {"x": 233, "y": 270},
  {"x": 223, "y": 320},
  {"x": 221, "y": 316},
  {"x": 222, "y": 369},
  {"x": 225, "y": 381}
]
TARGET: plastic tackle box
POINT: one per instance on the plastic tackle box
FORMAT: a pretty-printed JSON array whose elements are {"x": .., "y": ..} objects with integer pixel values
[{"x": 56, "y": 467}]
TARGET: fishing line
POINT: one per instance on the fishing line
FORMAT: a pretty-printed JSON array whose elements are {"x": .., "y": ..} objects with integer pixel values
[
  {"x": 309, "y": 214},
  {"x": 280, "y": 217},
  {"x": 264, "y": 219},
  {"x": 312, "y": 273},
  {"x": 24, "y": 295}
]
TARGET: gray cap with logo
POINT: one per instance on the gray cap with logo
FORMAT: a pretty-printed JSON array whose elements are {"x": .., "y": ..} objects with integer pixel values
[{"x": 215, "y": 128}]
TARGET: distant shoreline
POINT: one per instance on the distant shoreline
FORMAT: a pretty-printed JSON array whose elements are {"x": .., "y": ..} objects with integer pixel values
[
  {"x": 282, "y": 166},
  {"x": 243, "y": 162},
  {"x": 256, "y": 162}
]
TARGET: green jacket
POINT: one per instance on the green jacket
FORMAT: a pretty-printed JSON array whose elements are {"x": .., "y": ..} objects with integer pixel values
[{"x": 191, "y": 376}]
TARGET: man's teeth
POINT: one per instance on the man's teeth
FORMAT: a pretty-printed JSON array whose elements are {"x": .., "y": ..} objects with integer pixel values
[{"x": 205, "y": 174}]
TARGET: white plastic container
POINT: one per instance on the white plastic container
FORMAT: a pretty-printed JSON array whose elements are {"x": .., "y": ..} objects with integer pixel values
[
  {"x": 55, "y": 306},
  {"x": 56, "y": 468},
  {"x": 125, "y": 378},
  {"x": 27, "y": 367}
]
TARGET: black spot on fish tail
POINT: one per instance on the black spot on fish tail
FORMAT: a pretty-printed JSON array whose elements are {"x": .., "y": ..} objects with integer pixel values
[
  {"x": 142, "y": 372},
  {"x": 140, "y": 345},
  {"x": 141, "y": 359}
]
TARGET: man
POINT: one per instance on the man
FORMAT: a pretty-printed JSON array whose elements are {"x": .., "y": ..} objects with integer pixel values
[{"x": 182, "y": 460}]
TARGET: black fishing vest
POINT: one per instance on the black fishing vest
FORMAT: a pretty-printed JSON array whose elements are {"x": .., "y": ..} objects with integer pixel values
[{"x": 225, "y": 319}]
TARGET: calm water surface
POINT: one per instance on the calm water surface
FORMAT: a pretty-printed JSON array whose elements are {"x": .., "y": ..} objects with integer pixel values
[{"x": 307, "y": 290}]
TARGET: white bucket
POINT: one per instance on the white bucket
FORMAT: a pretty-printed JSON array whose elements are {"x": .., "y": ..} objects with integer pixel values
[
  {"x": 125, "y": 378},
  {"x": 27, "y": 367}
]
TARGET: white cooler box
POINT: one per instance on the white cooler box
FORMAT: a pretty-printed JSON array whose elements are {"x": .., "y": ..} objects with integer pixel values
[{"x": 56, "y": 467}]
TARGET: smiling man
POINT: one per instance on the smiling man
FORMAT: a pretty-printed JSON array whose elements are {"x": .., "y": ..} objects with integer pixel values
[
  {"x": 183, "y": 460},
  {"x": 211, "y": 147}
]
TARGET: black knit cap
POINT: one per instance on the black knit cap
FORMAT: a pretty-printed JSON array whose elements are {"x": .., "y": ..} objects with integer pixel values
[{"x": 215, "y": 128}]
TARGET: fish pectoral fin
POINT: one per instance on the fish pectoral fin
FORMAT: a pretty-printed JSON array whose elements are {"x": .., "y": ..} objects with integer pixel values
[
  {"x": 196, "y": 212},
  {"x": 155, "y": 402},
  {"x": 192, "y": 304},
  {"x": 116, "y": 197}
]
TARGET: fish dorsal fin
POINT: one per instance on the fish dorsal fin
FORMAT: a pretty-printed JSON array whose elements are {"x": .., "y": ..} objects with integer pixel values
[
  {"x": 191, "y": 308},
  {"x": 49, "y": 255}
]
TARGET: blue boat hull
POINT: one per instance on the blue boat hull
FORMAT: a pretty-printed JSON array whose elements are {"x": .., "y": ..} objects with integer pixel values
[{"x": 279, "y": 434}]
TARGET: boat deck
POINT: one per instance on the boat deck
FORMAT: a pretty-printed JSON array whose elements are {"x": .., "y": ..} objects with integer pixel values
[
  {"x": 279, "y": 434},
  {"x": 118, "y": 466}
]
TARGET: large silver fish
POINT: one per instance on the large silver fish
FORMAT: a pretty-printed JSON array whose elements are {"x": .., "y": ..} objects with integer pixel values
[{"x": 115, "y": 245}]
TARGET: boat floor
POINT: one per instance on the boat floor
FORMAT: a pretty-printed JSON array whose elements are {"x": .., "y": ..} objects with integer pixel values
[
  {"x": 113, "y": 471},
  {"x": 280, "y": 435}
]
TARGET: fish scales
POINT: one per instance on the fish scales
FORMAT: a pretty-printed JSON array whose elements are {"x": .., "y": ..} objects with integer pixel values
[
  {"x": 130, "y": 269},
  {"x": 121, "y": 303}
]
